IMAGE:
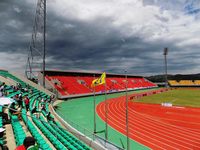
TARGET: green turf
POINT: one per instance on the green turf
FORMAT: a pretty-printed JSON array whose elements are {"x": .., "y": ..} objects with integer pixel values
[
  {"x": 80, "y": 111},
  {"x": 179, "y": 97}
]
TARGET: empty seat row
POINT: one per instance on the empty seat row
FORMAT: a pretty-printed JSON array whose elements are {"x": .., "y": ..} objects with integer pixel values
[
  {"x": 184, "y": 82},
  {"x": 18, "y": 131},
  {"x": 63, "y": 140},
  {"x": 82, "y": 85},
  {"x": 52, "y": 138},
  {"x": 71, "y": 139},
  {"x": 39, "y": 139}
]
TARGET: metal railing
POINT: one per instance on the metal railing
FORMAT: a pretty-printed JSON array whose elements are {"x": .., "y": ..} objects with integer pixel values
[{"x": 106, "y": 144}]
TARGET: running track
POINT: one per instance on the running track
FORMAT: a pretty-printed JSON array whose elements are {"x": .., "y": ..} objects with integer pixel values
[{"x": 155, "y": 126}]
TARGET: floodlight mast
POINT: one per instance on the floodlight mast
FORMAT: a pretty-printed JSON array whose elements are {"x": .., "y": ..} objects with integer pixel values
[
  {"x": 165, "y": 53},
  {"x": 37, "y": 49},
  {"x": 127, "y": 114},
  {"x": 44, "y": 36}
]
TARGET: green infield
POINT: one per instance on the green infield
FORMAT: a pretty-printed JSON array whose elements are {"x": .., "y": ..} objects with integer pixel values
[{"x": 178, "y": 97}]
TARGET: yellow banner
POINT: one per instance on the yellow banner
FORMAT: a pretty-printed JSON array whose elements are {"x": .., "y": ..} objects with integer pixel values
[{"x": 99, "y": 81}]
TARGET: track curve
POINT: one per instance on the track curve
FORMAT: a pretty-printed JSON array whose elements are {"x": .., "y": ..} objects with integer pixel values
[{"x": 153, "y": 125}]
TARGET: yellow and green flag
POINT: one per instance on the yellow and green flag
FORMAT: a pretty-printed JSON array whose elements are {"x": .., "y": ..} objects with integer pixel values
[{"x": 99, "y": 81}]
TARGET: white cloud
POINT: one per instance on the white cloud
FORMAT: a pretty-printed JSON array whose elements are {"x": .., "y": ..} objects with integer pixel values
[
  {"x": 133, "y": 18},
  {"x": 17, "y": 9}
]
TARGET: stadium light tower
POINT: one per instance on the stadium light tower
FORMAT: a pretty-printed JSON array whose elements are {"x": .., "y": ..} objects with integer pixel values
[
  {"x": 165, "y": 52},
  {"x": 37, "y": 48},
  {"x": 127, "y": 114}
]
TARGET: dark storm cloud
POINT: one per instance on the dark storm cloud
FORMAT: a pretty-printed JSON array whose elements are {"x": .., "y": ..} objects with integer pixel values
[
  {"x": 16, "y": 25},
  {"x": 99, "y": 46},
  {"x": 89, "y": 45}
]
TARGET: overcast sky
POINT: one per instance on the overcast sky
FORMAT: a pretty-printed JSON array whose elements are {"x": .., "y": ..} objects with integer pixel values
[{"x": 105, "y": 35}]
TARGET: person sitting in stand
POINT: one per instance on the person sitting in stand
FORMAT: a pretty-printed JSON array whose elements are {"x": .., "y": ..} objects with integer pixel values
[
  {"x": 26, "y": 100},
  {"x": 24, "y": 89},
  {"x": 43, "y": 108},
  {"x": 50, "y": 118},
  {"x": 4, "y": 116},
  {"x": 37, "y": 112},
  {"x": 19, "y": 86},
  {"x": 34, "y": 110},
  {"x": 46, "y": 99},
  {"x": 1, "y": 93},
  {"x": 16, "y": 88},
  {"x": 1, "y": 137},
  {"x": 1, "y": 132},
  {"x": 2, "y": 86},
  {"x": 51, "y": 98},
  {"x": 20, "y": 101},
  {"x": 28, "y": 144},
  {"x": 42, "y": 101},
  {"x": 30, "y": 91},
  {"x": 14, "y": 111}
]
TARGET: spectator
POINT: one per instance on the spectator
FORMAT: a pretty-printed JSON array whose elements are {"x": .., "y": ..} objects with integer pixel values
[
  {"x": 50, "y": 118},
  {"x": 1, "y": 93},
  {"x": 12, "y": 108},
  {"x": 20, "y": 100},
  {"x": 2, "y": 86},
  {"x": 43, "y": 108},
  {"x": 51, "y": 98},
  {"x": 37, "y": 112},
  {"x": 31, "y": 92},
  {"x": 24, "y": 89},
  {"x": 16, "y": 98},
  {"x": 14, "y": 111},
  {"x": 1, "y": 132},
  {"x": 27, "y": 103},
  {"x": 28, "y": 144},
  {"x": 34, "y": 110},
  {"x": 42, "y": 102},
  {"x": 4, "y": 117},
  {"x": 19, "y": 86},
  {"x": 1, "y": 136},
  {"x": 46, "y": 99},
  {"x": 15, "y": 89}
]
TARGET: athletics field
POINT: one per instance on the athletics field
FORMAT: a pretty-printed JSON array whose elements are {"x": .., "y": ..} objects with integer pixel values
[{"x": 152, "y": 125}]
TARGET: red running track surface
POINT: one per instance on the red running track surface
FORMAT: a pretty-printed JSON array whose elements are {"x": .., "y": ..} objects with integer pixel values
[{"x": 155, "y": 126}]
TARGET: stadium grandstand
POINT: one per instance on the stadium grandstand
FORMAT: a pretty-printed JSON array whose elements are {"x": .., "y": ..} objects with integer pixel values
[
  {"x": 186, "y": 83},
  {"x": 85, "y": 110},
  {"x": 39, "y": 119},
  {"x": 36, "y": 120},
  {"x": 77, "y": 83},
  {"x": 53, "y": 129}
]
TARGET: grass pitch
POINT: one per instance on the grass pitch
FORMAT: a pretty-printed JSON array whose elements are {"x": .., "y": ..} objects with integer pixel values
[{"x": 178, "y": 97}]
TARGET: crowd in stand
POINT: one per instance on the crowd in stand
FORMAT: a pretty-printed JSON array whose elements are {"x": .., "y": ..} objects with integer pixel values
[{"x": 20, "y": 100}]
